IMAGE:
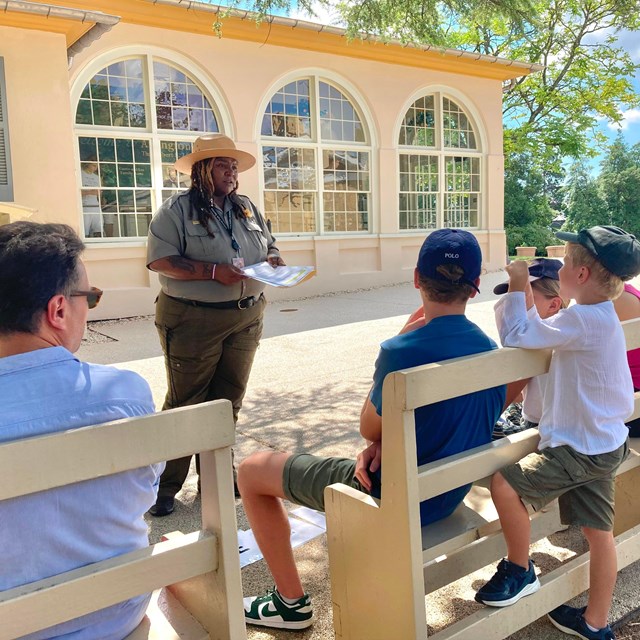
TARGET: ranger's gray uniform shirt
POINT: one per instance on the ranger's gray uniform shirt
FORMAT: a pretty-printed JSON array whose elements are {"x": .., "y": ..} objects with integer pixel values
[{"x": 176, "y": 231}]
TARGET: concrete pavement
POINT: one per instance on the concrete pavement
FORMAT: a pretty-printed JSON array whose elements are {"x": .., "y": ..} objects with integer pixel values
[{"x": 310, "y": 376}]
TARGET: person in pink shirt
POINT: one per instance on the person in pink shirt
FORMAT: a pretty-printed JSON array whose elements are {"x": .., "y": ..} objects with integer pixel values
[{"x": 627, "y": 307}]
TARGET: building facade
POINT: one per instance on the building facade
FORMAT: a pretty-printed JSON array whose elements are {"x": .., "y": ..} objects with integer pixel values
[{"x": 362, "y": 147}]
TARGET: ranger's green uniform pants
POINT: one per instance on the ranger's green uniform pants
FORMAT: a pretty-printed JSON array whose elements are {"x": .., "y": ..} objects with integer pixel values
[{"x": 208, "y": 355}]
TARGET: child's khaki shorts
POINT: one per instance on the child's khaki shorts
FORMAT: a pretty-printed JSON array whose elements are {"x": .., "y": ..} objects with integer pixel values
[{"x": 584, "y": 485}]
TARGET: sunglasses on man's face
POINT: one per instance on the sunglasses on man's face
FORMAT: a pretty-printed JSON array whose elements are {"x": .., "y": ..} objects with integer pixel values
[{"x": 93, "y": 296}]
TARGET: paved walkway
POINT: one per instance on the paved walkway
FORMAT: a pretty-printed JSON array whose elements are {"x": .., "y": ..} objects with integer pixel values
[{"x": 309, "y": 379}]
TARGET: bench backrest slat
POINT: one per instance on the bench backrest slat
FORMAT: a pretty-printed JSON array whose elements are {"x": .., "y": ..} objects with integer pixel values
[
  {"x": 472, "y": 465},
  {"x": 201, "y": 569},
  {"x": 41, "y": 604},
  {"x": 411, "y": 388},
  {"x": 36, "y": 464},
  {"x": 438, "y": 381},
  {"x": 467, "y": 467}
]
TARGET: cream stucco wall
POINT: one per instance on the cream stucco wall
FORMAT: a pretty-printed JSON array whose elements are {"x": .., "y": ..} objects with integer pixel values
[
  {"x": 242, "y": 77},
  {"x": 40, "y": 125}
]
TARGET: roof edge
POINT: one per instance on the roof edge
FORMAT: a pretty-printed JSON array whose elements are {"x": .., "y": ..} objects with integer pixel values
[{"x": 294, "y": 23}]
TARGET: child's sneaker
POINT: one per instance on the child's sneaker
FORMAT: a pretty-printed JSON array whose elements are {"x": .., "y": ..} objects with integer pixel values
[
  {"x": 271, "y": 610},
  {"x": 510, "y": 583},
  {"x": 571, "y": 621},
  {"x": 500, "y": 428},
  {"x": 514, "y": 414},
  {"x": 509, "y": 422}
]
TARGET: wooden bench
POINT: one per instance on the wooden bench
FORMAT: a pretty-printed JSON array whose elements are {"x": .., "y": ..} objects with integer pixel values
[
  {"x": 200, "y": 570},
  {"x": 382, "y": 564}
]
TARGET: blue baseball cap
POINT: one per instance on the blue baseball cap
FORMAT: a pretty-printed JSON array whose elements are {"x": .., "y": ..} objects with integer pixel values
[
  {"x": 538, "y": 268},
  {"x": 451, "y": 247}
]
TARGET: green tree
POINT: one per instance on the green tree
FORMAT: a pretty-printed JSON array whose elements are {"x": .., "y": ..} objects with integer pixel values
[
  {"x": 527, "y": 213},
  {"x": 550, "y": 114},
  {"x": 554, "y": 113},
  {"x": 584, "y": 205},
  {"x": 424, "y": 21},
  {"x": 619, "y": 183}
]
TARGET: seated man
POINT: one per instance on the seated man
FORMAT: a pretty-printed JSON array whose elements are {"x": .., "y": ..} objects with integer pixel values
[
  {"x": 44, "y": 301},
  {"x": 447, "y": 275}
]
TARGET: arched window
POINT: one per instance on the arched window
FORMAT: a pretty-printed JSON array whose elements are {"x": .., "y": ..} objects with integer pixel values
[
  {"x": 316, "y": 160},
  {"x": 440, "y": 166},
  {"x": 134, "y": 119}
]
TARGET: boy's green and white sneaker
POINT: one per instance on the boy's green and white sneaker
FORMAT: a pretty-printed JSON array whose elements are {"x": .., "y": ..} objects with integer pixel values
[{"x": 271, "y": 610}]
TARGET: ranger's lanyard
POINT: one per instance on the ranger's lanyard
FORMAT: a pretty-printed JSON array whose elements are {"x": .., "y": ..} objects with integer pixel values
[{"x": 227, "y": 225}]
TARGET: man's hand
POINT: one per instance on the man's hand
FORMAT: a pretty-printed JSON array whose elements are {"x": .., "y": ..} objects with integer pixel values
[
  {"x": 228, "y": 274},
  {"x": 518, "y": 271},
  {"x": 368, "y": 460}
]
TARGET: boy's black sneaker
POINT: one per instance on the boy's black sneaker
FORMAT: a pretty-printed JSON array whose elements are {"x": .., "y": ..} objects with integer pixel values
[
  {"x": 571, "y": 621},
  {"x": 510, "y": 583}
]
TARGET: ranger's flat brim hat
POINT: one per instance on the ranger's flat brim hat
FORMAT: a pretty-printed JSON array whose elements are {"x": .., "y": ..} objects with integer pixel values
[{"x": 215, "y": 145}]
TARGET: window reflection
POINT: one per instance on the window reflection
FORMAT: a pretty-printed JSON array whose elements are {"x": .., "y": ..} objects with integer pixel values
[
  {"x": 438, "y": 190},
  {"x": 316, "y": 182},
  {"x": 124, "y": 175}
]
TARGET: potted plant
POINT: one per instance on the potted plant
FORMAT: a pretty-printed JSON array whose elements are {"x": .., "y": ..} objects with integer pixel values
[
  {"x": 527, "y": 252},
  {"x": 555, "y": 251}
]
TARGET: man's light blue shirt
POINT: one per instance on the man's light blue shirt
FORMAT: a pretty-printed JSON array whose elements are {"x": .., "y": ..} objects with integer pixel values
[{"x": 46, "y": 533}]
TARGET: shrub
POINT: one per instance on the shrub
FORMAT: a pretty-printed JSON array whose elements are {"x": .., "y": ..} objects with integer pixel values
[{"x": 529, "y": 236}]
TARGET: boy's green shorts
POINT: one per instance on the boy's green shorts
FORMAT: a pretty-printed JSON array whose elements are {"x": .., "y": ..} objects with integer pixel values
[
  {"x": 305, "y": 477},
  {"x": 583, "y": 484}
]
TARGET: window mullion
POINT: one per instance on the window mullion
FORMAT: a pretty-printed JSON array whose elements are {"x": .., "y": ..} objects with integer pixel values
[
  {"x": 316, "y": 134},
  {"x": 441, "y": 191},
  {"x": 441, "y": 163},
  {"x": 152, "y": 128}
]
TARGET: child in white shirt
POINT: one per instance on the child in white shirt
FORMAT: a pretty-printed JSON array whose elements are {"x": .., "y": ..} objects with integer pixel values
[
  {"x": 583, "y": 438},
  {"x": 545, "y": 296}
]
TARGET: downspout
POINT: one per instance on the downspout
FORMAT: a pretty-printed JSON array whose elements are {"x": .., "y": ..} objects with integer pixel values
[
  {"x": 96, "y": 32},
  {"x": 103, "y": 22}
]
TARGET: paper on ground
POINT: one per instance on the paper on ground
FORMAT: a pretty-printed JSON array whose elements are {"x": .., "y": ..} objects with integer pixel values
[
  {"x": 311, "y": 515},
  {"x": 280, "y": 276},
  {"x": 301, "y": 532}
]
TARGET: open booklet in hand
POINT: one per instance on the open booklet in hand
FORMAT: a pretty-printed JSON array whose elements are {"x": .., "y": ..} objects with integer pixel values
[{"x": 280, "y": 276}]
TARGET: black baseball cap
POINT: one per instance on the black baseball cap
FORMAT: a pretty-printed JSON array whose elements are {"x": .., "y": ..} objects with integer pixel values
[
  {"x": 616, "y": 249},
  {"x": 451, "y": 246},
  {"x": 538, "y": 268}
]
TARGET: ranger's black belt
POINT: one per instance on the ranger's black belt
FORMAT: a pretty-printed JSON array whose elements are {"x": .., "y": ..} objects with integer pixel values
[{"x": 243, "y": 303}]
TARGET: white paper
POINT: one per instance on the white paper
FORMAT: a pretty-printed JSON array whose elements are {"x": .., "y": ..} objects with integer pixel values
[
  {"x": 301, "y": 532},
  {"x": 278, "y": 276},
  {"x": 311, "y": 515}
]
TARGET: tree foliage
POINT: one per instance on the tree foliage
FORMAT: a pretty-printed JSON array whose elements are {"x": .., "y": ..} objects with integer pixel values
[
  {"x": 550, "y": 114},
  {"x": 427, "y": 21},
  {"x": 527, "y": 213},
  {"x": 410, "y": 21},
  {"x": 611, "y": 198},
  {"x": 554, "y": 113},
  {"x": 585, "y": 207},
  {"x": 525, "y": 202},
  {"x": 619, "y": 183}
]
